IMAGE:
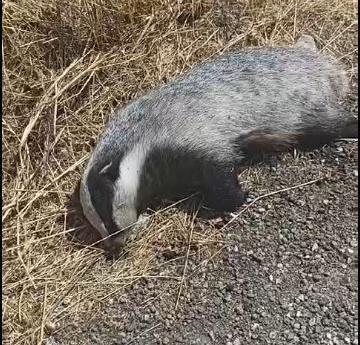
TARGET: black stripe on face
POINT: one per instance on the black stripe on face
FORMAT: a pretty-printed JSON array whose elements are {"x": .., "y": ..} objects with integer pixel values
[{"x": 102, "y": 193}]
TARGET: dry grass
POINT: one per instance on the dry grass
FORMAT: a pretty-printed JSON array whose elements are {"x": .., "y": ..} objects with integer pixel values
[{"x": 67, "y": 64}]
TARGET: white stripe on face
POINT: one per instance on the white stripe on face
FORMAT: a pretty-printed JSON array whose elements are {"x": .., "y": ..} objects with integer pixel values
[{"x": 126, "y": 186}]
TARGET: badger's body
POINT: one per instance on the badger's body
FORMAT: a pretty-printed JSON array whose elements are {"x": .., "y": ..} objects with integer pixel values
[{"x": 189, "y": 135}]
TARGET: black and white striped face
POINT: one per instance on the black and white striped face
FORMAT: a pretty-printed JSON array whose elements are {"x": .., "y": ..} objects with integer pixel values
[{"x": 108, "y": 195}]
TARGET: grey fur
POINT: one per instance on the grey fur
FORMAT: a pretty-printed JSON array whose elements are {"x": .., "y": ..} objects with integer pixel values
[{"x": 207, "y": 112}]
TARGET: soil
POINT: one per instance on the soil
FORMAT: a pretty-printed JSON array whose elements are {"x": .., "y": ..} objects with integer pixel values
[{"x": 287, "y": 274}]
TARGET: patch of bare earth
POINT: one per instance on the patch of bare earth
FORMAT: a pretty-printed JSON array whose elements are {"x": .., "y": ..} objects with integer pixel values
[{"x": 284, "y": 271}]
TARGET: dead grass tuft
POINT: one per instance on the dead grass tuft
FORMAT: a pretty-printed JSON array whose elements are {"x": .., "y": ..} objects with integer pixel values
[{"x": 67, "y": 65}]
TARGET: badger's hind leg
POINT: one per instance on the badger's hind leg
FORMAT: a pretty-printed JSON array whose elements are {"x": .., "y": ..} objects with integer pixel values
[
  {"x": 222, "y": 192},
  {"x": 268, "y": 141},
  {"x": 261, "y": 142}
]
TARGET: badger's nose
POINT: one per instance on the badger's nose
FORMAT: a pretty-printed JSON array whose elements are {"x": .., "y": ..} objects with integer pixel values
[{"x": 114, "y": 246}]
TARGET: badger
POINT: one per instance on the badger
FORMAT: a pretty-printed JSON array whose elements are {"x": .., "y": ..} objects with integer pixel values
[{"x": 191, "y": 134}]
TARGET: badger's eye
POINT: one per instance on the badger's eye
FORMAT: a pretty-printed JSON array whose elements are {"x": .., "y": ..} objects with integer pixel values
[{"x": 121, "y": 205}]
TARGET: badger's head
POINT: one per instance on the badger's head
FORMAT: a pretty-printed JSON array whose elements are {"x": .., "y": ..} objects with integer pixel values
[{"x": 108, "y": 195}]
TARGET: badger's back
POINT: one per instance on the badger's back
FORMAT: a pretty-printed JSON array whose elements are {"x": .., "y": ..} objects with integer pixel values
[{"x": 279, "y": 89}]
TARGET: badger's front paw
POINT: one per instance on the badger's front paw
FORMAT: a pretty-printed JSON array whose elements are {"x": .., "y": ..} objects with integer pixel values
[{"x": 227, "y": 199}]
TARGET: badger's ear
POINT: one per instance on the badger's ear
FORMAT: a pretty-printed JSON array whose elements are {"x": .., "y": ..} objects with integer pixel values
[
  {"x": 104, "y": 170},
  {"x": 108, "y": 169}
]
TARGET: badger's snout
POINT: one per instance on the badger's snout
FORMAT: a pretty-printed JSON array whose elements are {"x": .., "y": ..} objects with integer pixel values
[
  {"x": 129, "y": 223},
  {"x": 124, "y": 218},
  {"x": 114, "y": 246}
]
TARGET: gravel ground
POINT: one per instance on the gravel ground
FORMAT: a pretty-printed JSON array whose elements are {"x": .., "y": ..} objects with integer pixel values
[{"x": 288, "y": 276}]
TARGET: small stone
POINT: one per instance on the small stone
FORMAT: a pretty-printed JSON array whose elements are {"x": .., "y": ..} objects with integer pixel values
[
  {"x": 315, "y": 247},
  {"x": 317, "y": 278},
  {"x": 328, "y": 335},
  {"x": 271, "y": 278},
  {"x": 347, "y": 340},
  {"x": 323, "y": 301},
  {"x": 236, "y": 341},
  {"x": 298, "y": 313},
  {"x": 254, "y": 326},
  {"x": 227, "y": 298},
  {"x": 325, "y": 201},
  {"x": 336, "y": 341},
  {"x": 353, "y": 243},
  {"x": 284, "y": 305},
  {"x": 272, "y": 335},
  {"x": 166, "y": 341},
  {"x": 297, "y": 326},
  {"x": 146, "y": 317},
  {"x": 356, "y": 173},
  {"x": 239, "y": 309},
  {"x": 261, "y": 210},
  {"x": 291, "y": 335},
  {"x": 312, "y": 322},
  {"x": 250, "y": 294},
  {"x": 325, "y": 322}
]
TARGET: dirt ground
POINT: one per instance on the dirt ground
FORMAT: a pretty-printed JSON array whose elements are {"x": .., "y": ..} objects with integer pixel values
[
  {"x": 284, "y": 271},
  {"x": 287, "y": 273}
]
